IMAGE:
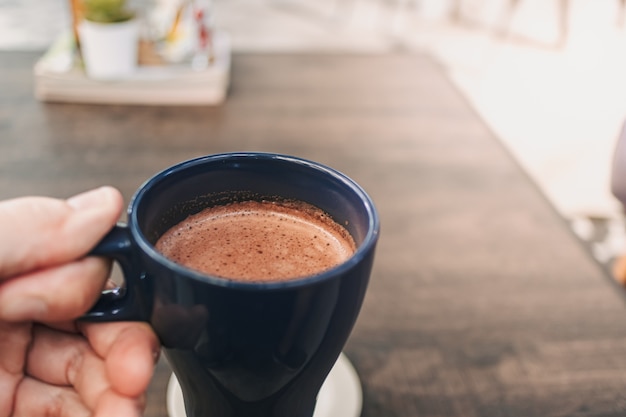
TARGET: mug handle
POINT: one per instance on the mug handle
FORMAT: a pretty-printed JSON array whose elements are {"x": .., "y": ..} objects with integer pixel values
[{"x": 120, "y": 304}]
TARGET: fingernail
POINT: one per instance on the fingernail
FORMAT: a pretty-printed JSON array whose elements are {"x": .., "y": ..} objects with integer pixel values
[
  {"x": 23, "y": 309},
  {"x": 89, "y": 199}
]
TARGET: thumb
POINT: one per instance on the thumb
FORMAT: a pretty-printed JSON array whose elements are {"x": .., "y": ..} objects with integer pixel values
[{"x": 40, "y": 232}]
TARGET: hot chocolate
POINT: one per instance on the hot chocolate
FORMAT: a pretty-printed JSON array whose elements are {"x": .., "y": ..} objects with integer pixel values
[{"x": 258, "y": 241}]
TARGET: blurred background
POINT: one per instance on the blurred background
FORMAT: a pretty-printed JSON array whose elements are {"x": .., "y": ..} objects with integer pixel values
[{"x": 547, "y": 76}]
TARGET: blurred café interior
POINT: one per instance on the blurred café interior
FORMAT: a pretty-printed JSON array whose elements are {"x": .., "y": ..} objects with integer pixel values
[
  {"x": 486, "y": 130},
  {"x": 536, "y": 72}
]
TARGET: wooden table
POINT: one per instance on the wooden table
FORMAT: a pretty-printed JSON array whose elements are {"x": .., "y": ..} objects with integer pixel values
[{"x": 482, "y": 302}]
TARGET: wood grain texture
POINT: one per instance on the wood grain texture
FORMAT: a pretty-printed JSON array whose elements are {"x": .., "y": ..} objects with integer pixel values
[{"x": 482, "y": 302}]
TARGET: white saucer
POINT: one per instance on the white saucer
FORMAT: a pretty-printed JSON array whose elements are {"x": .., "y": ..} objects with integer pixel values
[{"x": 340, "y": 394}]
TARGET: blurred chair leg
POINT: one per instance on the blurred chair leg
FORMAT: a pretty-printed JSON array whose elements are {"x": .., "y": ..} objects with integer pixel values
[{"x": 504, "y": 23}]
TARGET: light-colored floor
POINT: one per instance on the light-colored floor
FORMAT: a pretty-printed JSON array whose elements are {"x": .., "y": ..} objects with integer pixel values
[{"x": 557, "y": 106}]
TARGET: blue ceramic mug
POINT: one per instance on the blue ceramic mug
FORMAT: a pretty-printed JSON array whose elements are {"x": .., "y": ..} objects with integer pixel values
[{"x": 241, "y": 349}]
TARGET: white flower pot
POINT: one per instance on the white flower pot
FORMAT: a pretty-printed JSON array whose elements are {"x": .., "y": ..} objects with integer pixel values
[{"x": 109, "y": 50}]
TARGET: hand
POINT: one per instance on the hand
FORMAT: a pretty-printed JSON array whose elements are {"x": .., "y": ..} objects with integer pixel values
[{"x": 51, "y": 365}]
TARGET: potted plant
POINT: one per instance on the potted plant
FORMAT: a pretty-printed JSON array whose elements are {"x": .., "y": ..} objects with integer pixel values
[{"x": 109, "y": 38}]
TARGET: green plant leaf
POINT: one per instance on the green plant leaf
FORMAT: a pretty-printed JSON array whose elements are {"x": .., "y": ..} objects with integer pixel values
[{"x": 107, "y": 11}]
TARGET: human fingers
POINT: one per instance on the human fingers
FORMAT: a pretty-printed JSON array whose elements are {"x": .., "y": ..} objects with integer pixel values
[
  {"x": 35, "y": 398},
  {"x": 39, "y": 232},
  {"x": 111, "y": 404},
  {"x": 64, "y": 359},
  {"x": 14, "y": 341},
  {"x": 70, "y": 325},
  {"x": 54, "y": 294},
  {"x": 130, "y": 349}
]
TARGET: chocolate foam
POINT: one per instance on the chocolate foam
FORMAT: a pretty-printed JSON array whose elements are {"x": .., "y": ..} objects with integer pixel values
[{"x": 258, "y": 241}]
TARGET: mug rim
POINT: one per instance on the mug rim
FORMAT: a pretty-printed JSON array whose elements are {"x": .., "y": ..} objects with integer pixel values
[{"x": 362, "y": 251}]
